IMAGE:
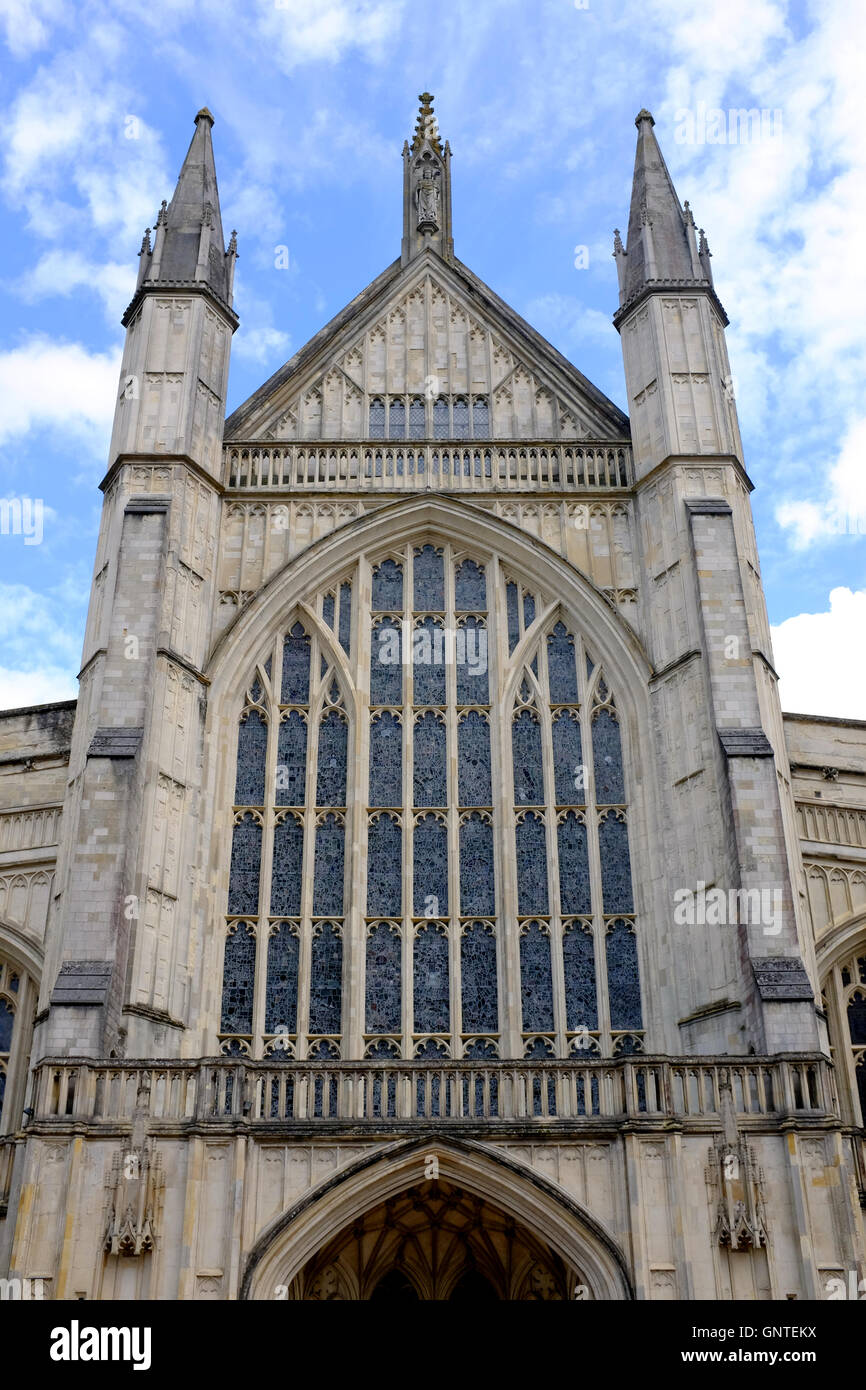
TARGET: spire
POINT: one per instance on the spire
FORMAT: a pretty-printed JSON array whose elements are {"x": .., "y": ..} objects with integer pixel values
[
  {"x": 426, "y": 188},
  {"x": 661, "y": 234},
  {"x": 188, "y": 246}
]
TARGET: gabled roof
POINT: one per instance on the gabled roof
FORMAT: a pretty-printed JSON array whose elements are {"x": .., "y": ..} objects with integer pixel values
[{"x": 484, "y": 310}]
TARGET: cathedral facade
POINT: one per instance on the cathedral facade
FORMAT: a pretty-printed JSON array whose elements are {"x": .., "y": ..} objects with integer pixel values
[{"x": 426, "y": 897}]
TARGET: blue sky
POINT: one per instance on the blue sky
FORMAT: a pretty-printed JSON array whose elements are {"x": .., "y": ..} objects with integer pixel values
[{"x": 312, "y": 104}]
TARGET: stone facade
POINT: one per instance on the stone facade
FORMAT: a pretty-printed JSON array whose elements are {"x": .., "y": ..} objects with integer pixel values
[{"x": 688, "y": 1127}]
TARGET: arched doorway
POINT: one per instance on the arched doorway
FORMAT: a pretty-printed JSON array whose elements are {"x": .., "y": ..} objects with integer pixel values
[
  {"x": 435, "y": 1242},
  {"x": 438, "y": 1219}
]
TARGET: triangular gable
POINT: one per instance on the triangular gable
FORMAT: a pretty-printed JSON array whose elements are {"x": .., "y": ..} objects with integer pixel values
[{"x": 419, "y": 332}]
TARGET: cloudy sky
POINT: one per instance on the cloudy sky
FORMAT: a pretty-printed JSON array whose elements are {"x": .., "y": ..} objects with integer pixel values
[{"x": 312, "y": 103}]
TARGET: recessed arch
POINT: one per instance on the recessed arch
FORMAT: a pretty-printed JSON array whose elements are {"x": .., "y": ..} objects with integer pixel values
[
  {"x": 573, "y": 1233},
  {"x": 558, "y": 592}
]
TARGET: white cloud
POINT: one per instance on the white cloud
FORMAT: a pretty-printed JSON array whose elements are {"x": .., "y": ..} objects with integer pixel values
[
  {"x": 64, "y": 272},
  {"x": 297, "y": 32},
  {"x": 821, "y": 658},
  {"x": 842, "y": 510},
  {"x": 44, "y": 384},
  {"x": 40, "y": 687},
  {"x": 25, "y": 26},
  {"x": 41, "y": 647}
]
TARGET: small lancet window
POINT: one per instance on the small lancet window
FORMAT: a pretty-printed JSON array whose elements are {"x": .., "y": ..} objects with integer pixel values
[
  {"x": 461, "y": 418},
  {"x": 397, "y": 420},
  {"x": 417, "y": 418},
  {"x": 377, "y": 418},
  {"x": 480, "y": 418}
]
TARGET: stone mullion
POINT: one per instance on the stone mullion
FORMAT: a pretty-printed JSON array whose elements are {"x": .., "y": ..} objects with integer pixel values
[
  {"x": 451, "y": 753},
  {"x": 593, "y": 854},
  {"x": 840, "y": 1031},
  {"x": 267, "y": 859},
  {"x": 407, "y": 954},
  {"x": 306, "y": 942},
  {"x": 508, "y": 954},
  {"x": 496, "y": 778},
  {"x": 555, "y": 916},
  {"x": 357, "y": 791}
]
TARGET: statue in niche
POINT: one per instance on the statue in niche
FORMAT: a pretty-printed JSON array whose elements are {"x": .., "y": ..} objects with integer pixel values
[{"x": 427, "y": 197}]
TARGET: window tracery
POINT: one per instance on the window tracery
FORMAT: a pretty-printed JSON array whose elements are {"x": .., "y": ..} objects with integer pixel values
[{"x": 476, "y": 826}]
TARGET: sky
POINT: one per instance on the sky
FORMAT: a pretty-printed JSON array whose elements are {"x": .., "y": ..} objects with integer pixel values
[{"x": 312, "y": 103}]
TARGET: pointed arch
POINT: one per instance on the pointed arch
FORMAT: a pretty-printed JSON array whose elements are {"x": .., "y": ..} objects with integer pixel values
[
  {"x": 542, "y": 1206},
  {"x": 472, "y": 867}
]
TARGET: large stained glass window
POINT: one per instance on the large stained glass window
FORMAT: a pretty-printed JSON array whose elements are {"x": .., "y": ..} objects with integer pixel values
[{"x": 430, "y": 826}]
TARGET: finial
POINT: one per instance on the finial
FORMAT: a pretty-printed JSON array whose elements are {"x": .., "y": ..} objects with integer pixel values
[
  {"x": 618, "y": 248},
  {"x": 643, "y": 115},
  {"x": 145, "y": 243},
  {"x": 703, "y": 248},
  {"x": 426, "y": 127},
  {"x": 162, "y": 214},
  {"x": 688, "y": 215},
  {"x": 233, "y": 244},
  {"x": 204, "y": 115}
]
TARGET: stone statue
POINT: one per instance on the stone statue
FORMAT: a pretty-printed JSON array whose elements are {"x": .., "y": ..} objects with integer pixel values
[{"x": 427, "y": 200}]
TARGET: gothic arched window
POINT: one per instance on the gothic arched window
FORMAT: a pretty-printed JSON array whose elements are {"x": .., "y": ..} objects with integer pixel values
[
  {"x": 397, "y": 419},
  {"x": 449, "y": 816},
  {"x": 480, "y": 418},
  {"x": 9, "y": 982},
  {"x": 845, "y": 996},
  {"x": 417, "y": 418},
  {"x": 377, "y": 418}
]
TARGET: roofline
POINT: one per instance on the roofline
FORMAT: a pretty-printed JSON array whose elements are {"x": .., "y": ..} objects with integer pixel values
[
  {"x": 235, "y": 422},
  {"x": 36, "y": 709},
  {"x": 826, "y": 719}
]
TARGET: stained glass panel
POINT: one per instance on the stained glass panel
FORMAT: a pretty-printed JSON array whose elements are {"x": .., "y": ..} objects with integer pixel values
[
  {"x": 252, "y": 751},
  {"x": 616, "y": 886},
  {"x": 328, "y": 868},
  {"x": 384, "y": 954},
  {"x": 239, "y": 971},
  {"x": 607, "y": 760},
  {"x": 536, "y": 980},
  {"x": 431, "y": 1002},
  {"x": 290, "y": 787},
  {"x": 561, "y": 667},
  {"x": 470, "y": 588},
  {"x": 578, "y": 958},
  {"x": 471, "y": 662},
  {"x": 332, "y": 766},
  {"x": 281, "y": 1002},
  {"x": 430, "y": 869},
  {"x": 531, "y": 849},
  {"x": 478, "y": 979},
  {"x": 429, "y": 579},
  {"x": 287, "y": 868},
  {"x": 384, "y": 867},
  {"x": 428, "y": 663},
  {"x": 326, "y": 972},
  {"x": 477, "y": 889},
  {"x": 245, "y": 868},
  {"x": 386, "y": 760},
  {"x": 430, "y": 775},
  {"x": 473, "y": 760},
  {"x": 623, "y": 985},
  {"x": 388, "y": 587},
  {"x": 296, "y": 667},
  {"x": 386, "y": 668},
  {"x": 528, "y": 765},
  {"x": 568, "y": 768},
  {"x": 574, "y": 886}
]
